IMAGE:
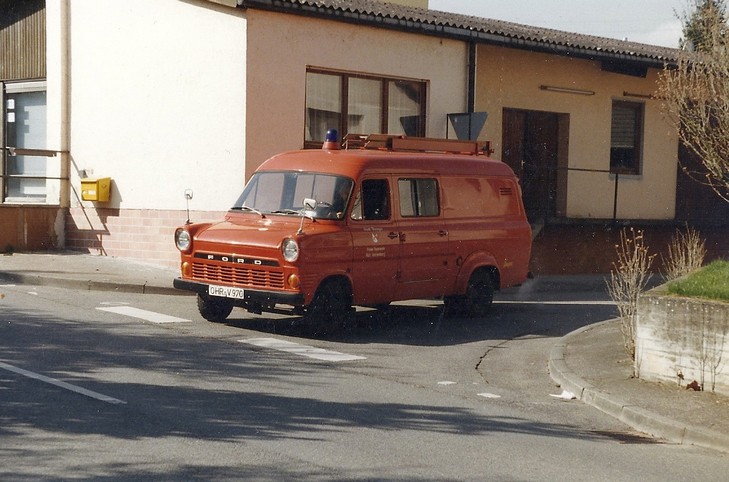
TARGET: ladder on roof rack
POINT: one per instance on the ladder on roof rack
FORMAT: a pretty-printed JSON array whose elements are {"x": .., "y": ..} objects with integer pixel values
[{"x": 415, "y": 144}]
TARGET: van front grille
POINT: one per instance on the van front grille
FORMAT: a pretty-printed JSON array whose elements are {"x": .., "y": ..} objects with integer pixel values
[{"x": 238, "y": 275}]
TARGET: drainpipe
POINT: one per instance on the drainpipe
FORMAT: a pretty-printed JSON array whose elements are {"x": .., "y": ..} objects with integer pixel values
[
  {"x": 65, "y": 91},
  {"x": 58, "y": 81},
  {"x": 471, "y": 77}
]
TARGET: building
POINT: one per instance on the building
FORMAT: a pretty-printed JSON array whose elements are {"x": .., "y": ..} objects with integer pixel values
[{"x": 176, "y": 102}]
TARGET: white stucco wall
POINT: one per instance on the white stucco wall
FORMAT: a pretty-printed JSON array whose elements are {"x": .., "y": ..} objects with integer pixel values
[
  {"x": 157, "y": 101},
  {"x": 282, "y": 46}
]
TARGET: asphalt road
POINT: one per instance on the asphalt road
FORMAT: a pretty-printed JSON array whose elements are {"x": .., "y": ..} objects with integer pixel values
[{"x": 113, "y": 386}]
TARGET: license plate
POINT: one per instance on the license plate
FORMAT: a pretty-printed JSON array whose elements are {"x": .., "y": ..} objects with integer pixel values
[{"x": 226, "y": 292}]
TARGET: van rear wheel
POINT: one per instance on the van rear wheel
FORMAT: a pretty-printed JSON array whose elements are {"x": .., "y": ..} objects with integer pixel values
[
  {"x": 214, "y": 308},
  {"x": 479, "y": 294},
  {"x": 477, "y": 300}
]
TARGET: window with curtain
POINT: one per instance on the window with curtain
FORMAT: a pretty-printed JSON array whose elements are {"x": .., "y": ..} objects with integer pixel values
[
  {"x": 362, "y": 104},
  {"x": 323, "y": 105}
]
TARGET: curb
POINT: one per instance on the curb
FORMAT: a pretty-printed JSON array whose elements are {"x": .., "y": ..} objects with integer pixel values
[
  {"x": 636, "y": 417},
  {"x": 90, "y": 285}
]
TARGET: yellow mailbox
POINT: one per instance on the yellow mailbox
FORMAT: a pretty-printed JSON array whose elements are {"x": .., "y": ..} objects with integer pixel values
[{"x": 96, "y": 189}]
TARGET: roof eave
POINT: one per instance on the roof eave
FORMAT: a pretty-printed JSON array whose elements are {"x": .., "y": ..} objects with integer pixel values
[{"x": 453, "y": 32}]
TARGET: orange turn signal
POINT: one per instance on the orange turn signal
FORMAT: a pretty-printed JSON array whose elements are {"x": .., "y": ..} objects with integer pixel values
[{"x": 294, "y": 281}]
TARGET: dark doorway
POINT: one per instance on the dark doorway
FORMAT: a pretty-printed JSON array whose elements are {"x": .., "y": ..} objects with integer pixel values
[
  {"x": 535, "y": 147},
  {"x": 696, "y": 202}
]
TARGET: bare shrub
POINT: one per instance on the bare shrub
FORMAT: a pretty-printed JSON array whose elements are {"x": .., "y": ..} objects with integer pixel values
[
  {"x": 628, "y": 280},
  {"x": 686, "y": 253}
]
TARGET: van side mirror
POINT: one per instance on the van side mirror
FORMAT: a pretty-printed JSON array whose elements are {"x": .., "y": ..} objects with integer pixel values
[{"x": 309, "y": 204}]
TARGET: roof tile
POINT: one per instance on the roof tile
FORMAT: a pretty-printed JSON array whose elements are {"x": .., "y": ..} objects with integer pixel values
[{"x": 544, "y": 37}]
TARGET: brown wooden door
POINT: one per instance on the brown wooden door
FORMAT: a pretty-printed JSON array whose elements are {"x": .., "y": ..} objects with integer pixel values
[{"x": 530, "y": 148}]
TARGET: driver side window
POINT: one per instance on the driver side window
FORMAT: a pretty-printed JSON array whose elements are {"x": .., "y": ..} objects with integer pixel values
[{"x": 373, "y": 201}]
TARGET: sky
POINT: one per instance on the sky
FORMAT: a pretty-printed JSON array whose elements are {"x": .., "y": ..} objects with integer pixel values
[{"x": 655, "y": 22}]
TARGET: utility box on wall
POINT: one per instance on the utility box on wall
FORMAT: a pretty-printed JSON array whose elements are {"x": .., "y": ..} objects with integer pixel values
[{"x": 96, "y": 189}]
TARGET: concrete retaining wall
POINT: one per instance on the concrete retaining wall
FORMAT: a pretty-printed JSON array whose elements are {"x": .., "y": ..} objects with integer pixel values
[{"x": 679, "y": 340}]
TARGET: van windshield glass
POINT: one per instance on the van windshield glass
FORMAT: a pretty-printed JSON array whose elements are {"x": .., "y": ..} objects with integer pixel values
[{"x": 284, "y": 193}]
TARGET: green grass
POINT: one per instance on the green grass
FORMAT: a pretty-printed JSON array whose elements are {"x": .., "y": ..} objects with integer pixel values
[{"x": 711, "y": 281}]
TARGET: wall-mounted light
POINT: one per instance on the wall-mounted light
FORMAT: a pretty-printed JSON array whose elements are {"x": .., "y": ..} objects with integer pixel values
[{"x": 567, "y": 90}]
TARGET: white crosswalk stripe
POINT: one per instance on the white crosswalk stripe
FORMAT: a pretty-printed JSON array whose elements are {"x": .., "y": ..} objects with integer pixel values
[
  {"x": 303, "y": 350},
  {"x": 150, "y": 316}
]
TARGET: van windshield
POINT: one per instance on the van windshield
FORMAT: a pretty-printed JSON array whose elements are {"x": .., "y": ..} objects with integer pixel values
[{"x": 284, "y": 193}]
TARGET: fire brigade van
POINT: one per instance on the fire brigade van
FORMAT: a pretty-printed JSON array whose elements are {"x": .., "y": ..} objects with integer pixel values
[{"x": 386, "y": 218}]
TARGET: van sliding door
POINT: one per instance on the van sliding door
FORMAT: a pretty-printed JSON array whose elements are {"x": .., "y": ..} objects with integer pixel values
[{"x": 424, "y": 267}]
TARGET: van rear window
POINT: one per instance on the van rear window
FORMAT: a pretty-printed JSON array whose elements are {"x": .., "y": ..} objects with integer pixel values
[{"x": 418, "y": 197}]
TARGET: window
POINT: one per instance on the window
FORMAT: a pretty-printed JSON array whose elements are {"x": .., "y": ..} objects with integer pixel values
[
  {"x": 24, "y": 177},
  {"x": 418, "y": 197},
  {"x": 362, "y": 104},
  {"x": 626, "y": 137},
  {"x": 373, "y": 202}
]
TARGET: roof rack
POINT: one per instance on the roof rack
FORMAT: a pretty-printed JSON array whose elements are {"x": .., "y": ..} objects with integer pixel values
[{"x": 415, "y": 144}]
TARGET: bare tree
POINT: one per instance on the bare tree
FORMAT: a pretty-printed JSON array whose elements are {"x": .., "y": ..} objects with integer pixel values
[
  {"x": 695, "y": 93},
  {"x": 627, "y": 281}
]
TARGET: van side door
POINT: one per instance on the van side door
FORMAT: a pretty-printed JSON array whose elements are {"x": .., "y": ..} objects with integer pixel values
[
  {"x": 375, "y": 241},
  {"x": 425, "y": 265}
]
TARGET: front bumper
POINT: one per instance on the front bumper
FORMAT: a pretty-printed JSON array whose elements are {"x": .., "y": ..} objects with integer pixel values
[{"x": 252, "y": 296}]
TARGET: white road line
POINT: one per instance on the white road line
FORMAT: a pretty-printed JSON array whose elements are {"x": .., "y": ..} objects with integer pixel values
[
  {"x": 143, "y": 314},
  {"x": 489, "y": 395},
  {"x": 303, "y": 350},
  {"x": 519, "y": 302},
  {"x": 64, "y": 385}
]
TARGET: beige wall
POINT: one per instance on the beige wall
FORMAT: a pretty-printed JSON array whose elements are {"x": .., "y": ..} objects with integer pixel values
[
  {"x": 280, "y": 47},
  {"x": 509, "y": 78}
]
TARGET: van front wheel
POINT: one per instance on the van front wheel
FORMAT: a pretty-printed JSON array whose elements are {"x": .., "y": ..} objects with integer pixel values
[
  {"x": 332, "y": 303},
  {"x": 214, "y": 308}
]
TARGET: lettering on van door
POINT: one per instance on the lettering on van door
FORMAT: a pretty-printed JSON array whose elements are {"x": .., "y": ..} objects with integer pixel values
[
  {"x": 375, "y": 232},
  {"x": 375, "y": 252}
]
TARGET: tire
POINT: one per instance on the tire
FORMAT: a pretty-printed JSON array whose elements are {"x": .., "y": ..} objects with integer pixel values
[
  {"x": 332, "y": 303},
  {"x": 214, "y": 308},
  {"x": 477, "y": 300},
  {"x": 479, "y": 293}
]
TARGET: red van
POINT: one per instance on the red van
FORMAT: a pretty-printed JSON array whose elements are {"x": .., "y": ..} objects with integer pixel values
[{"x": 394, "y": 218}]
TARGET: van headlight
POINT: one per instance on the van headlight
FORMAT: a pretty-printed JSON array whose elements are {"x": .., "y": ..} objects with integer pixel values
[
  {"x": 290, "y": 250},
  {"x": 182, "y": 239}
]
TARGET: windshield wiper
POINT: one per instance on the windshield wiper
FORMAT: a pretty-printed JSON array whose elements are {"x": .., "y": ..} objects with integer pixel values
[
  {"x": 248, "y": 208},
  {"x": 286, "y": 211}
]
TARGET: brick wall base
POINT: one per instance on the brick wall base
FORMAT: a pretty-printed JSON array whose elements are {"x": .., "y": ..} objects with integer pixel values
[{"x": 142, "y": 234}]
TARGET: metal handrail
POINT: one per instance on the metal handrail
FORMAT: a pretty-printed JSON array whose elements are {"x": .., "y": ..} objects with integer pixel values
[
  {"x": 22, "y": 151},
  {"x": 551, "y": 169}
]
